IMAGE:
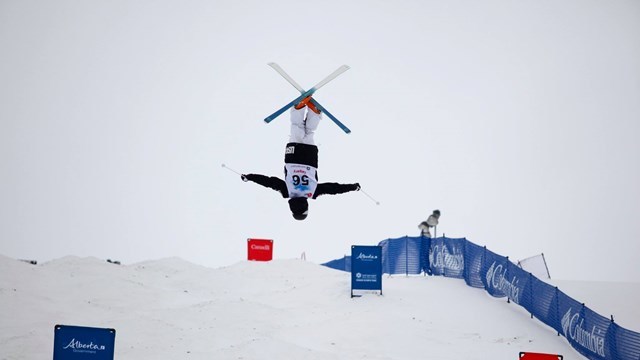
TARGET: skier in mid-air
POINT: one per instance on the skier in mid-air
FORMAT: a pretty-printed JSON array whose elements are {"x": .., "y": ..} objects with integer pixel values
[{"x": 301, "y": 164}]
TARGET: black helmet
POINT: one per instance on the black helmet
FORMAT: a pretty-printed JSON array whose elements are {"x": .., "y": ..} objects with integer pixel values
[
  {"x": 300, "y": 216},
  {"x": 299, "y": 207}
]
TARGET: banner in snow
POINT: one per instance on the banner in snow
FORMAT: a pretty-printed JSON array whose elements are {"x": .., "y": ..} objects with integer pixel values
[
  {"x": 259, "y": 249},
  {"x": 76, "y": 342},
  {"x": 366, "y": 268}
]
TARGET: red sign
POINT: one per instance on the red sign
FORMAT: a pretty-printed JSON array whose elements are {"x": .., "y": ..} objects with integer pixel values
[
  {"x": 259, "y": 249},
  {"x": 539, "y": 356}
]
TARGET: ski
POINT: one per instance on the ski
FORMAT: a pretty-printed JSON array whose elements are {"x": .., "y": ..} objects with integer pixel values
[
  {"x": 332, "y": 76},
  {"x": 309, "y": 92},
  {"x": 286, "y": 76},
  {"x": 333, "y": 118},
  {"x": 271, "y": 117}
]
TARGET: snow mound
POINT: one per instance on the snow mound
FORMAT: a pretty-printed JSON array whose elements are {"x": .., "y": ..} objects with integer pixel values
[{"x": 171, "y": 309}]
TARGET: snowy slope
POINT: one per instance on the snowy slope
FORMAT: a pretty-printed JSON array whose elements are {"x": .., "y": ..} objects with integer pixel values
[{"x": 287, "y": 309}]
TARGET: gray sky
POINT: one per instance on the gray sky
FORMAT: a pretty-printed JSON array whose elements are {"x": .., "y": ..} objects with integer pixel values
[{"x": 518, "y": 120}]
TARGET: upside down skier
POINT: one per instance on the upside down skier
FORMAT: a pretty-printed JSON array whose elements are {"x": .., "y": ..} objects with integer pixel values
[{"x": 301, "y": 164}]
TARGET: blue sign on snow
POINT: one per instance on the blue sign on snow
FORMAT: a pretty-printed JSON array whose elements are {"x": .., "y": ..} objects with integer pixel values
[
  {"x": 366, "y": 268},
  {"x": 76, "y": 342}
]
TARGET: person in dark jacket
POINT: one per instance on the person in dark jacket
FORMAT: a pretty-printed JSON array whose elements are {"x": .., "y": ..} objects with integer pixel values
[
  {"x": 301, "y": 164},
  {"x": 432, "y": 221}
]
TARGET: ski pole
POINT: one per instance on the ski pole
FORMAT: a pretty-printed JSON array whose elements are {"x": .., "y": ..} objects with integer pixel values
[
  {"x": 230, "y": 169},
  {"x": 369, "y": 196}
]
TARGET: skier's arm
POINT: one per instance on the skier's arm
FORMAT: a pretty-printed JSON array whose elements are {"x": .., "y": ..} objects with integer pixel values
[
  {"x": 271, "y": 182},
  {"x": 335, "y": 188}
]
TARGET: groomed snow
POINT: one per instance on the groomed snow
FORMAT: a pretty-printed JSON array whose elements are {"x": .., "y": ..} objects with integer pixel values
[{"x": 284, "y": 309}]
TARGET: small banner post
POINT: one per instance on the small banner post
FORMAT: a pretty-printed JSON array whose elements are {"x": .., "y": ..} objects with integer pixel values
[
  {"x": 83, "y": 343},
  {"x": 259, "y": 249},
  {"x": 366, "y": 268}
]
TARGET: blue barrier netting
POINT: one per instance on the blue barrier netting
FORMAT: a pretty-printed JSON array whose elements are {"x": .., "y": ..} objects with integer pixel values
[{"x": 591, "y": 334}]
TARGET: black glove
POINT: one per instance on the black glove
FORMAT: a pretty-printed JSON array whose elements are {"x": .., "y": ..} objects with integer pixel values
[
  {"x": 357, "y": 186},
  {"x": 244, "y": 177}
]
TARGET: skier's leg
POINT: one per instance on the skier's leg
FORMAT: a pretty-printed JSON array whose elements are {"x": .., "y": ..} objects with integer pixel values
[
  {"x": 297, "y": 125},
  {"x": 311, "y": 124}
]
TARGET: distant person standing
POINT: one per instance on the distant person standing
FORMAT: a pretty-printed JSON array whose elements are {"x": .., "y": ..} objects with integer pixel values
[{"x": 432, "y": 221}]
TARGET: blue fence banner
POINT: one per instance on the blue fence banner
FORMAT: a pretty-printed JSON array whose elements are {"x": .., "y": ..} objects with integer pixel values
[
  {"x": 398, "y": 255},
  {"x": 343, "y": 264},
  {"x": 366, "y": 268},
  {"x": 591, "y": 334},
  {"x": 446, "y": 257},
  {"x": 77, "y": 342}
]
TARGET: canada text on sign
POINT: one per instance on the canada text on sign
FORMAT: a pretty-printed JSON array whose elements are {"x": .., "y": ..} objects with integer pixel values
[{"x": 259, "y": 249}]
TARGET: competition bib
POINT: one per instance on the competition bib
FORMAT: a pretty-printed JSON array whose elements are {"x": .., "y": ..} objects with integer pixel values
[{"x": 301, "y": 180}]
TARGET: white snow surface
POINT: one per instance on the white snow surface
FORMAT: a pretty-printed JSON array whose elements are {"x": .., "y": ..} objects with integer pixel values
[{"x": 283, "y": 309}]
